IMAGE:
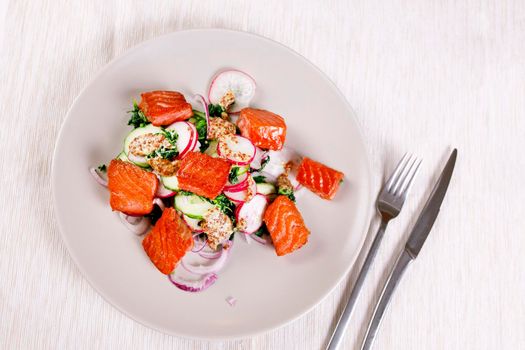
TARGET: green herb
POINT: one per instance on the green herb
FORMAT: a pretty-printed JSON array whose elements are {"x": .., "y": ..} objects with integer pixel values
[
  {"x": 215, "y": 110},
  {"x": 288, "y": 192},
  {"x": 263, "y": 230},
  {"x": 234, "y": 174},
  {"x": 163, "y": 152},
  {"x": 198, "y": 114},
  {"x": 263, "y": 164},
  {"x": 102, "y": 168},
  {"x": 259, "y": 179},
  {"x": 171, "y": 136},
  {"x": 225, "y": 205},
  {"x": 138, "y": 119},
  {"x": 202, "y": 130},
  {"x": 184, "y": 193}
]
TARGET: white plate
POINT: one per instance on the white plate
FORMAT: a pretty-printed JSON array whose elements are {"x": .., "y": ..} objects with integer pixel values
[{"x": 270, "y": 290}]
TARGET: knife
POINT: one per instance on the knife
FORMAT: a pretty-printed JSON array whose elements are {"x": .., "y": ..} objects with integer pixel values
[{"x": 412, "y": 248}]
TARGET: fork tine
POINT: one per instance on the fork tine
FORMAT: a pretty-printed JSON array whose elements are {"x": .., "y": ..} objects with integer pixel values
[
  {"x": 404, "y": 174},
  {"x": 405, "y": 187},
  {"x": 394, "y": 176}
]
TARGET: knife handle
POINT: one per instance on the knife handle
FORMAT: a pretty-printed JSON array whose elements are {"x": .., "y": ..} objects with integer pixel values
[{"x": 384, "y": 299}]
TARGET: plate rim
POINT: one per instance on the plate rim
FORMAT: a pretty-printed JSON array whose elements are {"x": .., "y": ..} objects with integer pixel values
[{"x": 262, "y": 330}]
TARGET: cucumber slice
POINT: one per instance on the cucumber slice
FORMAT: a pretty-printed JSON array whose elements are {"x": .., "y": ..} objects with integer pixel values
[
  {"x": 148, "y": 129},
  {"x": 192, "y": 205},
  {"x": 212, "y": 149},
  {"x": 170, "y": 182},
  {"x": 265, "y": 188},
  {"x": 122, "y": 156}
]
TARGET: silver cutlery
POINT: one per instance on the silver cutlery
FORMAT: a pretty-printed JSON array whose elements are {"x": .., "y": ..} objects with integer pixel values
[
  {"x": 389, "y": 204},
  {"x": 412, "y": 248}
]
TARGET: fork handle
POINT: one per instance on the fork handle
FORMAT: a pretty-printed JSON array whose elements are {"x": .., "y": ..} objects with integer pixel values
[
  {"x": 392, "y": 282},
  {"x": 340, "y": 328}
]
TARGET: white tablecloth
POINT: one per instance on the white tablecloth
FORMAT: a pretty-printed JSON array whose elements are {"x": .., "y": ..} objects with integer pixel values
[{"x": 423, "y": 76}]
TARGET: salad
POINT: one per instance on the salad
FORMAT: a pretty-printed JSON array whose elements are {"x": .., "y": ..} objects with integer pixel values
[{"x": 192, "y": 176}]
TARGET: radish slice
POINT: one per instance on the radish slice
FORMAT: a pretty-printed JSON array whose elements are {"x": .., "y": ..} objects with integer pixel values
[
  {"x": 277, "y": 165},
  {"x": 237, "y": 149},
  {"x": 241, "y": 196},
  {"x": 202, "y": 100},
  {"x": 186, "y": 136},
  {"x": 137, "y": 225},
  {"x": 191, "y": 282},
  {"x": 257, "y": 160},
  {"x": 197, "y": 147},
  {"x": 250, "y": 214},
  {"x": 241, "y": 181},
  {"x": 239, "y": 83},
  {"x": 163, "y": 192},
  {"x": 193, "y": 224},
  {"x": 101, "y": 181}
]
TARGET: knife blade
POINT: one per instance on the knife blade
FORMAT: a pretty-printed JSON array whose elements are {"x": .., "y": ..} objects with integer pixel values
[
  {"x": 415, "y": 242},
  {"x": 430, "y": 211}
]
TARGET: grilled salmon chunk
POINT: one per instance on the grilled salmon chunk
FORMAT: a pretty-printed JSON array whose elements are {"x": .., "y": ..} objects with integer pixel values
[
  {"x": 165, "y": 107},
  {"x": 131, "y": 189},
  {"x": 286, "y": 226},
  {"x": 168, "y": 241},
  {"x": 318, "y": 178}
]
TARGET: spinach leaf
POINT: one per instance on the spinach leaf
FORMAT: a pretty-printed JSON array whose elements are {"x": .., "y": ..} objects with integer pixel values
[
  {"x": 234, "y": 174},
  {"x": 226, "y": 205},
  {"x": 215, "y": 110},
  {"x": 171, "y": 136},
  {"x": 263, "y": 230},
  {"x": 138, "y": 119},
  {"x": 287, "y": 192},
  {"x": 259, "y": 179},
  {"x": 163, "y": 152}
]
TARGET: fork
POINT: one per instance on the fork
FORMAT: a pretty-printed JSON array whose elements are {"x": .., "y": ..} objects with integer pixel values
[{"x": 389, "y": 203}]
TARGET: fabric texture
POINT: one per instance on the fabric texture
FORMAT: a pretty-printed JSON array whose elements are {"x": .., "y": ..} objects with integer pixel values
[{"x": 422, "y": 77}]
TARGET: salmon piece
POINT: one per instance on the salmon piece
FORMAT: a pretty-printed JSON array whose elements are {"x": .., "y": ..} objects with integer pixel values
[
  {"x": 204, "y": 175},
  {"x": 318, "y": 178},
  {"x": 265, "y": 129},
  {"x": 131, "y": 189},
  {"x": 286, "y": 226},
  {"x": 165, "y": 107},
  {"x": 168, "y": 241}
]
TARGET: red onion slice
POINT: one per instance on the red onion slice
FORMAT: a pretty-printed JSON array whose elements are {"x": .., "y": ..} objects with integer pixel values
[
  {"x": 198, "y": 244},
  {"x": 137, "y": 225},
  {"x": 195, "y": 284},
  {"x": 258, "y": 239},
  {"x": 101, "y": 181},
  {"x": 202, "y": 266},
  {"x": 231, "y": 300}
]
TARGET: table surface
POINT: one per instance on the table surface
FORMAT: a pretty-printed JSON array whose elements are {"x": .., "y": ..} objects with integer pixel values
[{"x": 422, "y": 77}]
